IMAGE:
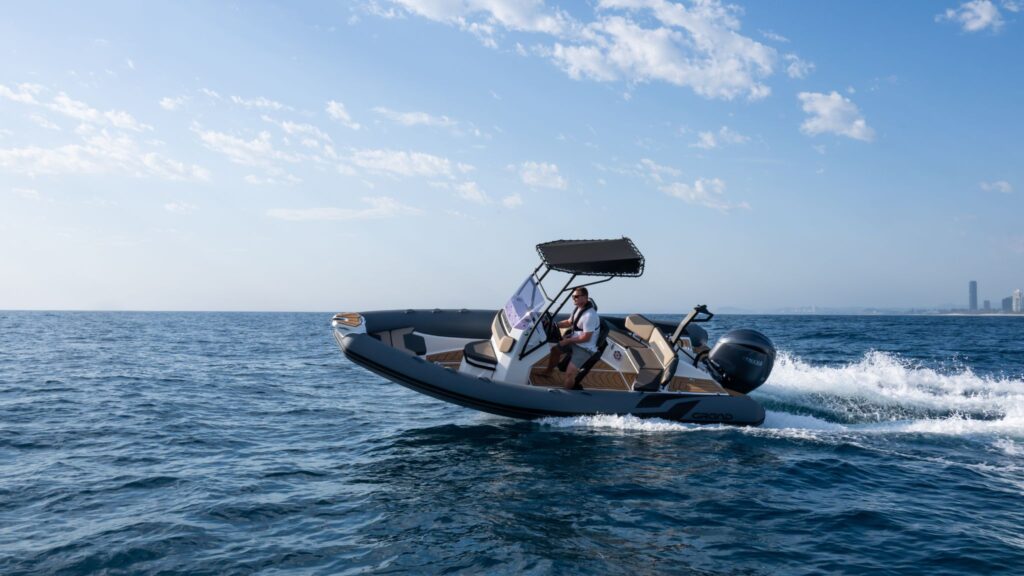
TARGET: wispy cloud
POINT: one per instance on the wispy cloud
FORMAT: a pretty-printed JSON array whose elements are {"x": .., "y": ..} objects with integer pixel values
[
  {"x": 171, "y": 104},
  {"x": 996, "y": 186},
  {"x": 977, "y": 15},
  {"x": 106, "y": 142},
  {"x": 99, "y": 153},
  {"x": 656, "y": 172},
  {"x": 379, "y": 207},
  {"x": 774, "y": 37},
  {"x": 833, "y": 113},
  {"x": 512, "y": 201},
  {"x": 796, "y": 67},
  {"x": 542, "y": 175},
  {"x": 415, "y": 118},
  {"x": 724, "y": 136},
  {"x": 27, "y": 194},
  {"x": 259, "y": 103},
  {"x": 707, "y": 192},
  {"x": 43, "y": 122},
  {"x": 697, "y": 46},
  {"x": 471, "y": 192},
  {"x": 74, "y": 109},
  {"x": 337, "y": 111},
  {"x": 403, "y": 163},
  {"x": 309, "y": 136},
  {"x": 180, "y": 208},
  {"x": 259, "y": 151}
]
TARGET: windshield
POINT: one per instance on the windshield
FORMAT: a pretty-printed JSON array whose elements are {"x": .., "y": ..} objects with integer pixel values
[{"x": 524, "y": 305}]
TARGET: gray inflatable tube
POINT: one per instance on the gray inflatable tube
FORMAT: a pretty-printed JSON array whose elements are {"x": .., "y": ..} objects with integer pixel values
[{"x": 517, "y": 400}]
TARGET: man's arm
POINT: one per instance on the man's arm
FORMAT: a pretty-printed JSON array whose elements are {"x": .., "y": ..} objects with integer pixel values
[{"x": 583, "y": 337}]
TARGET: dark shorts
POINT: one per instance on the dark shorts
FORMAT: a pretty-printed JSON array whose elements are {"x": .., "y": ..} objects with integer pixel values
[{"x": 579, "y": 355}]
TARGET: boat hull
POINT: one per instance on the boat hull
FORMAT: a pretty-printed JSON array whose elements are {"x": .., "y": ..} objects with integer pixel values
[{"x": 531, "y": 402}]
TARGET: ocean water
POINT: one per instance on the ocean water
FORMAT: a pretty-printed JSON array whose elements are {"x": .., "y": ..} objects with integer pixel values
[{"x": 207, "y": 443}]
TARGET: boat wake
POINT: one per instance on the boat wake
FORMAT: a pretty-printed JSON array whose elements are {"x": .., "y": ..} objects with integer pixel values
[{"x": 881, "y": 393}]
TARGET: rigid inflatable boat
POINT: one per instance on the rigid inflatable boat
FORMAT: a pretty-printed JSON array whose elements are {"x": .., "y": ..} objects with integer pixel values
[{"x": 494, "y": 360}]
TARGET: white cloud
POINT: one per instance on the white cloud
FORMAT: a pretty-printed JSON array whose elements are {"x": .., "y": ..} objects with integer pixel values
[
  {"x": 259, "y": 151},
  {"x": 425, "y": 119},
  {"x": 43, "y": 122},
  {"x": 401, "y": 163},
  {"x": 180, "y": 207},
  {"x": 27, "y": 193},
  {"x": 697, "y": 46},
  {"x": 706, "y": 192},
  {"x": 483, "y": 17},
  {"x": 309, "y": 136},
  {"x": 99, "y": 153},
  {"x": 415, "y": 118},
  {"x": 26, "y": 93},
  {"x": 774, "y": 37},
  {"x": 125, "y": 121},
  {"x": 724, "y": 136},
  {"x": 976, "y": 15},
  {"x": 655, "y": 171},
  {"x": 212, "y": 94},
  {"x": 512, "y": 201},
  {"x": 379, "y": 207},
  {"x": 797, "y": 68},
  {"x": 996, "y": 186},
  {"x": 259, "y": 103},
  {"x": 835, "y": 114},
  {"x": 471, "y": 192},
  {"x": 275, "y": 177},
  {"x": 64, "y": 104},
  {"x": 67, "y": 106},
  {"x": 171, "y": 104},
  {"x": 337, "y": 111},
  {"x": 542, "y": 175}
]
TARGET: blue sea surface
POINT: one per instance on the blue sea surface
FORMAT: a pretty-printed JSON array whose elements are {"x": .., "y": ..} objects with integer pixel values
[{"x": 217, "y": 443}]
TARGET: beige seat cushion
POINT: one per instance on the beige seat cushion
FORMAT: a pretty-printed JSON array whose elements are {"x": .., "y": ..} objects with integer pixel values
[
  {"x": 660, "y": 345},
  {"x": 623, "y": 340},
  {"x": 640, "y": 326}
]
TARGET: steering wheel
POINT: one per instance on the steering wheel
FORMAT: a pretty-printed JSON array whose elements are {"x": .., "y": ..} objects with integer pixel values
[{"x": 551, "y": 332}]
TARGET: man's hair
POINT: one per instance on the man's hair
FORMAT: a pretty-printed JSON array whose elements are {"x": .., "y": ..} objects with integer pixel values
[{"x": 583, "y": 290}]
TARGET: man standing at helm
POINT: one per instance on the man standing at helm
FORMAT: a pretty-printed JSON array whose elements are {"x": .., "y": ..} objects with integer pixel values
[{"x": 580, "y": 343}]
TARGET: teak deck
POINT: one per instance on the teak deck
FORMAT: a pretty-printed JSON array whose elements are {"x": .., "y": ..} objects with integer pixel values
[{"x": 602, "y": 376}]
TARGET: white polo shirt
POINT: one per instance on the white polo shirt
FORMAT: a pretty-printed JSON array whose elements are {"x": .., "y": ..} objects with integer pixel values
[{"x": 589, "y": 322}]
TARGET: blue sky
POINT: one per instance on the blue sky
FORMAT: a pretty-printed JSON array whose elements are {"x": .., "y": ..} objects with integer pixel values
[{"x": 381, "y": 154}]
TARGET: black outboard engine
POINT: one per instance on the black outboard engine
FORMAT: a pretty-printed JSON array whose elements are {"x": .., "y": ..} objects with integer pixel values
[{"x": 742, "y": 360}]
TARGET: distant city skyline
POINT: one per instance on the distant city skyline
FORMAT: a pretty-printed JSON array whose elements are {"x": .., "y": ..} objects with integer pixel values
[
  {"x": 1012, "y": 303},
  {"x": 410, "y": 153}
]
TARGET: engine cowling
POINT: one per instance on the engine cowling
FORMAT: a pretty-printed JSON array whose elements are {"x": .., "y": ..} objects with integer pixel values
[{"x": 742, "y": 360}]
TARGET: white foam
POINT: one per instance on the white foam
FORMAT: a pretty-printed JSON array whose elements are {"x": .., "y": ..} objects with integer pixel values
[
  {"x": 881, "y": 393},
  {"x": 620, "y": 423},
  {"x": 1008, "y": 447}
]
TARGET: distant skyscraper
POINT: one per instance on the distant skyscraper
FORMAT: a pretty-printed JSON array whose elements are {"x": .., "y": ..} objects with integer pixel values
[
  {"x": 986, "y": 306},
  {"x": 974, "y": 296},
  {"x": 1016, "y": 301},
  {"x": 1008, "y": 304}
]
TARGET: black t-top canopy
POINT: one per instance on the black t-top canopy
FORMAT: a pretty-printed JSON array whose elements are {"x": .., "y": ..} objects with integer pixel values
[{"x": 593, "y": 257}]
